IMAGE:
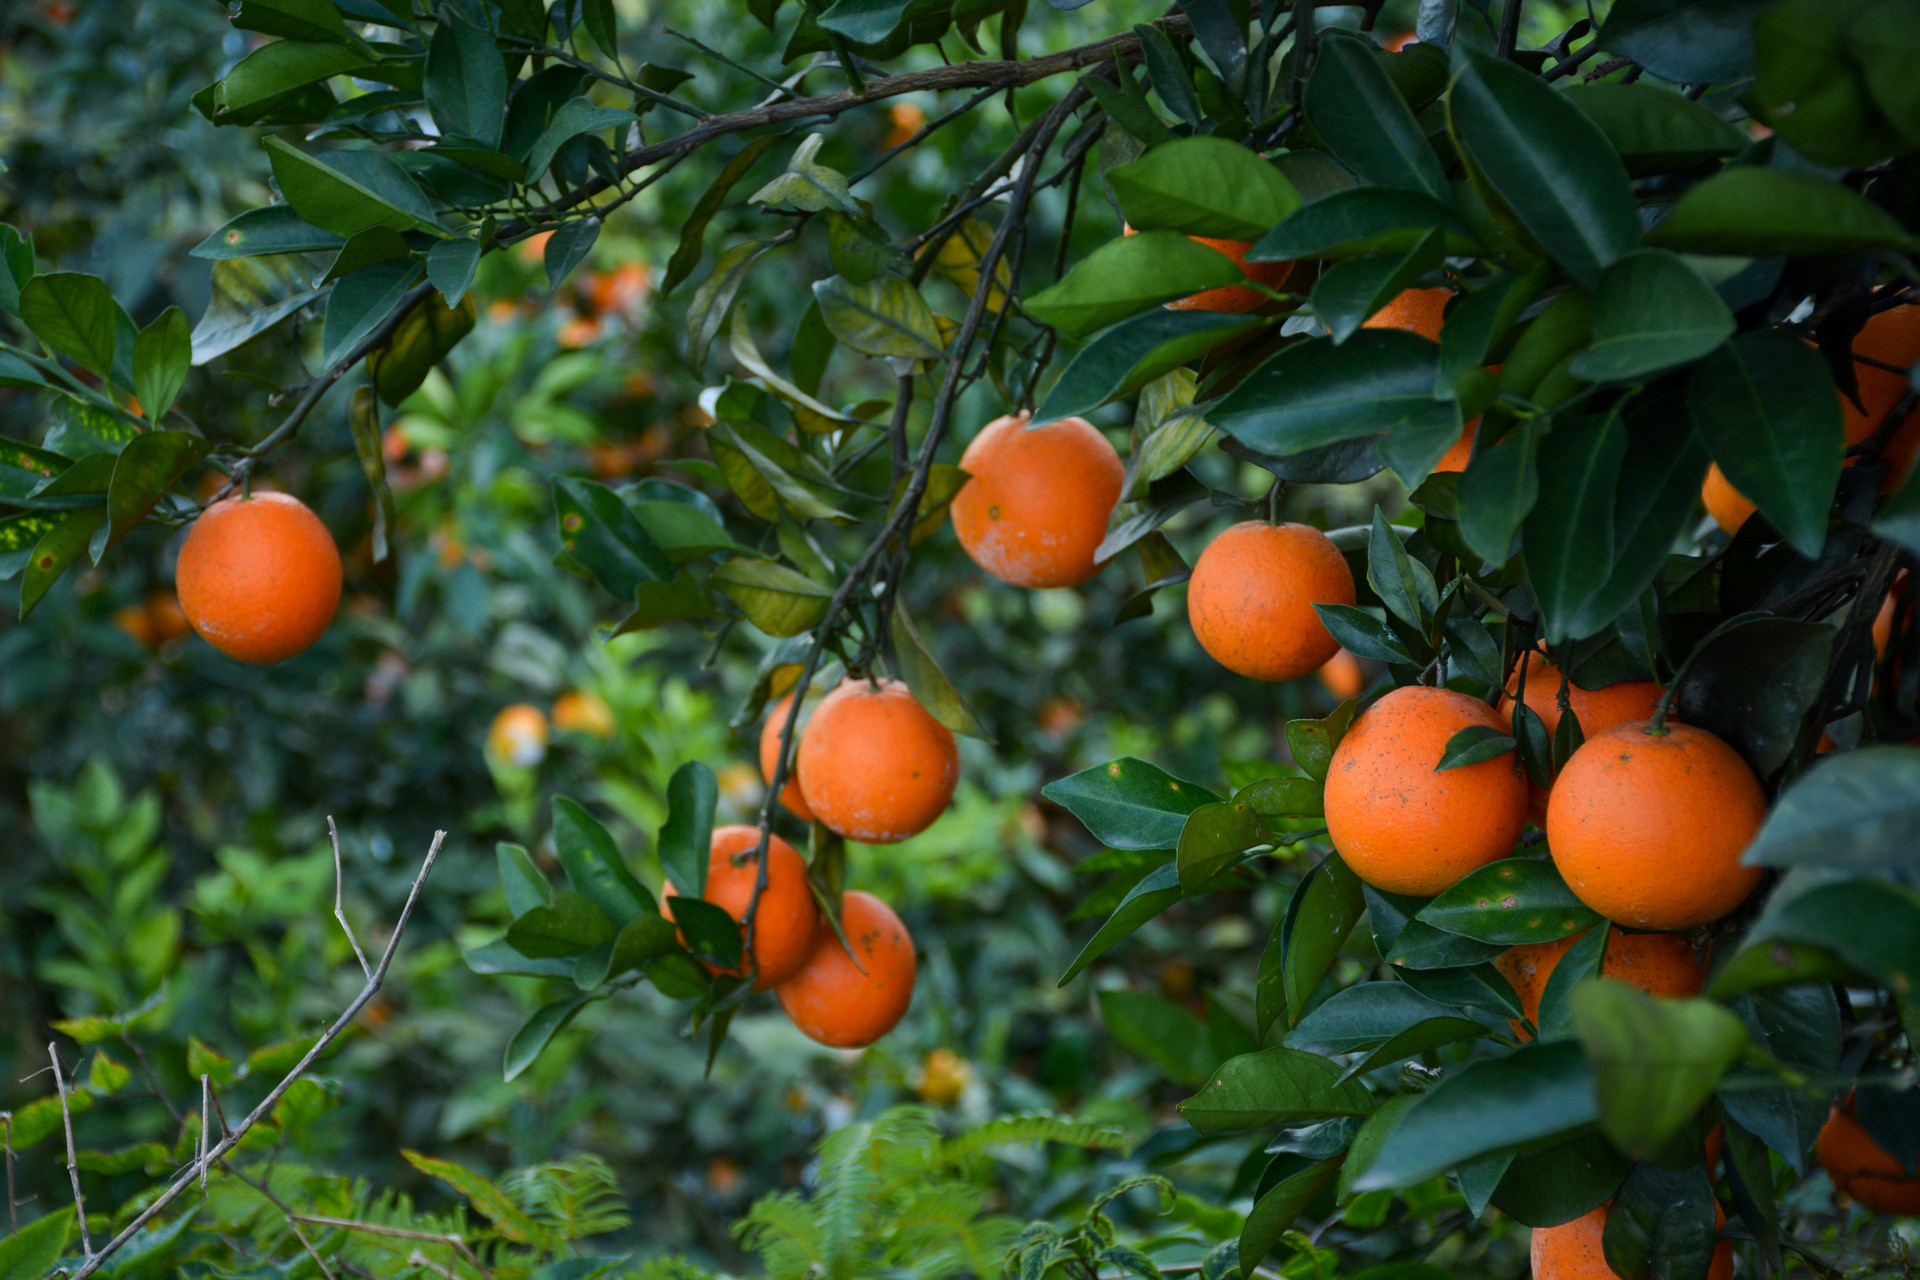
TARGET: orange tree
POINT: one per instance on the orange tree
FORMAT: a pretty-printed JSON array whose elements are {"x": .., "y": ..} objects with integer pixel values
[{"x": 1551, "y": 294}]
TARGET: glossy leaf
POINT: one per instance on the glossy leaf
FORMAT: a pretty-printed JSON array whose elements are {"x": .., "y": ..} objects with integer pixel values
[
  {"x": 1661, "y": 1225},
  {"x": 603, "y": 536},
  {"x": 1160, "y": 1031},
  {"x": 1350, "y": 292},
  {"x": 1361, "y": 220},
  {"x": 250, "y": 296},
  {"x": 1758, "y": 212},
  {"x": 885, "y": 316},
  {"x": 1353, "y": 105},
  {"x": 361, "y": 302},
  {"x": 594, "y": 866},
  {"x": 1555, "y": 1186},
  {"x": 567, "y": 248},
  {"x": 1652, "y": 312},
  {"x": 774, "y": 598},
  {"x": 1855, "y": 810},
  {"x": 1685, "y": 41},
  {"x": 346, "y": 192},
  {"x": 1128, "y": 275},
  {"x": 1204, "y": 186},
  {"x": 466, "y": 82},
  {"x": 1799, "y": 1026},
  {"x": 1157, "y": 891},
  {"x": 1389, "y": 1017},
  {"x": 1656, "y": 130},
  {"x": 1548, "y": 161},
  {"x": 1653, "y": 503},
  {"x": 575, "y": 118},
  {"x": 59, "y": 547},
  {"x": 1474, "y": 744},
  {"x": 1655, "y": 1061},
  {"x": 1514, "y": 901},
  {"x": 538, "y": 1030},
  {"x": 161, "y": 356},
  {"x": 274, "y": 228},
  {"x": 1272, "y": 1086},
  {"x": 930, "y": 685},
  {"x": 1754, "y": 684},
  {"x": 1275, "y": 1209},
  {"x": 76, "y": 315},
  {"x": 259, "y": 81},
  {"x": 150, "y": 465},
  {"x": 686, "y": 255},
  {"x": 567, "y": 926},
  {"x": 1568, "y": 536},
  {"x": 1874, "y": 929},
  {"x": 1312, "y": 742},
  {"x": 1124, "y": 358},
  {"x": 686, "y": 835},
  {"x": 1323, "y": 910},
  {"x": 525, "y": 887},
  {"x": 1130, "y": 804},
  {"x": 1498, "y": 491}
]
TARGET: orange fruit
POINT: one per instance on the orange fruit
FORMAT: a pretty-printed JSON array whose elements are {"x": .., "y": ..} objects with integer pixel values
[
  {"x": 874, "y": 766},
  {"x": 1596, "y": 710},
  {"x": 518, "y": 735},
  {"x": 1252, "y": 593},
  {"x": 1893, "y": 337},
  {"x": 906, "y": 119},
  {"x": 259, "y": 577},
  {"x": 1415, "y": 310},
  {"x": 790, "y": 795},
  {"x": 1035, "y": 508},
  {"x": 1398, "y": 824},
  {"x": 1660, "y": 964},
  {"x": 845, "y": 1004},
  {"x": 783, "y": 924},
  {"x": 944, "y": 1076},
  {"x": 1648, "y": 828},
  {"x": 577, "y": 711},
  {"x": 132, "y": 620},
  {"x": 1341, "y": 675},
  {"x": 1460, "y": 453},
  {"x": 166, "y": 619},
  {"x": 1863, "y": 1168},
  {"x": 1573, "y": 1251}
]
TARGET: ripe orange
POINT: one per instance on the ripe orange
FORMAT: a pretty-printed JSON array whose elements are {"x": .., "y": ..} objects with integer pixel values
[
  {"x": 1342, "y": 676},
  {"x": 1398, "y": 824},
  {"x": 790, "y": 794},
  {"x": 1252, "y": 594},
  {"x": 577, "y": 711},
  {"x": 1036, "y": 507},
  {"x": 259, "y": 577},
  {"x": 1648, "y": 828},
  {"x": 874, "y": 766},
  {"x": 783, "y": 924},
  {"x": 518, "y": 735},
  {"x": 1460, "y": 453},
  {"x": 1415, "y": 310},
  {"x": 1863, "y": 1168},
  {"x": 944, "y": 1076},
  {"x": 831, "y": 999},
  {"x": 1660, "y": 964},
  {"x": 1573, "y": 1251},
  {"x": 1596, "y": 710},
  {"x": 1893, "y": 337}
]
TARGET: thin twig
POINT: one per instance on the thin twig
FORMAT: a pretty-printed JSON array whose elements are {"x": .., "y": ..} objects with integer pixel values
[
  {"x": 339, "y": 891},
  {"x": 457, "y": 1243},
  {"x": 1509, "y": 38},
  {"x": 73, "y": 1159},
  {"x": 6, "y": 1137},
  {"x": 267, "y": 1104},
  {"x": 206, "y": 1127},
  {"x": 153, "y": 1081}
]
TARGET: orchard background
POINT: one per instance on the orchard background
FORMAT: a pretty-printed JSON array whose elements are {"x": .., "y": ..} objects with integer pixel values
[{"x": 628, "y": 353}]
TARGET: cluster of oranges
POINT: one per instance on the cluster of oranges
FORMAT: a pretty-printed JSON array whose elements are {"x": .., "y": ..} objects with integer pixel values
[{"x": 519, "y": 732}]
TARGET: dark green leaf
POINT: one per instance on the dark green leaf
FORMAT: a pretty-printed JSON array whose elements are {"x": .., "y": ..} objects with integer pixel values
[
  {"x": 1389, "y": 1017},
  {"x": 1799, "y": 1026},
  {"x": 294, "y": 19},
  {"x": 1856, "y": 810},
  {"x": 1655, "y": 1061},
  {"x": 1684, "y": 41},
  {"x": 1159, "y": 890},
  {"x": 1362, "y": 634},
  {"x": 1213, "y": 839},
  {"x": 1498, "y": 491},
  {"x": 250, "y": 295},
  {"x": 1586, "y": 958},
  {"x": 575, "y": 117},
  {"x": 1760, "y": 212},
  {"x": 864, "y": 21},
  {"x": 261, "y": 80},
  {"x": 687, "y": 835},
  {"x": 1361, "y": 220},
  {"x": 1349, "y": 292},
  {"x": 161, "y": 356},
  {"x": 346, "y": 192},
  {"x": 546, "y": 1023},
  {"x": 1661, "y": 1225},
  {"x": 1472, "y": 745},
  {"x": 361, "y": 302},
  {"x": 603, "y": 536},
  {"x": 150, "y": 465},
  {"x": 1403, "y": 584},
  {"x": 1124, "y": 358},
  {"x": 686, "y": 255},
  {"x": 1204, "y": 186},
  {"x": 566, "y": 927},
  {"x": 1555, "y": 1186},
  {"x": 76, "y": 315},
  {"x": 466, "y": 82},
  {"x": 1160, "y": 1031},
  {"x": 1128, "y": 275},
  {"x": 1548, "y": 161},
  {"x": 1471, "y": 986},
  {"x": 711, "y": 933},
  {"x": 1274, "y": 1211},
  {"x": 521, "y": 881},
  {"x": 1653, "y": 503},
  {"x": 713, "y": 300},
  {"x": 1568, "y": 536},
  {"x": 1272, "y": 1086},
  {"x": 1753, "y": 685},
  {"x": 567, "y": 248},
  {"x": 594, "y": 865},
  {"x": 1872, "y": 928},
  {"x": 1130, "y": 804},
  {"x": 274, "y": 228},
  {"x": 1354, "y": 107},
  {"x": 1514, "y": 901},
  {"x": 59, "y": 547},
  {"x": 1652, "y": 312},
  {"x": 1319, "y": 916},
  {"x": 1656, "y": 130},
  {"x": 1280, "y": 796}
]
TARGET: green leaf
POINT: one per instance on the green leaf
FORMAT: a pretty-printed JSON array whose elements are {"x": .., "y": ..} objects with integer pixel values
[
  {"x": 250, "y": 296},
  {"x": 1160, "y": 1031},
  {"x": 1283, "y": 797},
  {"x": 346, "y": 192},
  {"x": 361, "y": 302},
  {"x": 1855, "y": 810},
  {"x": 566, "y": 927},
  {"x": 1363, "y": 633},
  {"x": 59, "y": 547},
  {"x": 1808, "y": 87},
  {"x": 466, "y": 82},
  {"x": 1799, "y": 1026},
  {"x": 35, "y": 1249},
  {"x": 575, "y": 117},
  {"x": 1548, "y": 161},
  {"x": 522, "y": 882},
  {"x": 508, "y": 1218},
  {"x": 1389, "y": 1019},
  {"x": 451, "y": 266},
  {"x": 294, "y": 19},
  {"x": 1538, "y": 1092},
  {"x": 1653, "y": 503},
  {"x": 1130, "y": 804},
  {"x": 1555, "y": 1186},
  {"x": 864, "y": 21},
  {"x": 16, "y": 266},
  {"x": 1126, "y": 276},
  {"x": 1759, "y": 212},
  {"x": 1404, "y": 585},
  {"x": 1882, "y": 41},
  {"x": 1874, "y": 929},
  {"x": 809, "y": 414},
  {"x": 1154, "y": 893},
  {"x": 711, "y": 933},
  {"x": 1349, "y": 292},
  {"x": 1473, "y": 745},
  {"x": 150, "y": 465},
  {"x": 1765, "y": 405},
  {"x": 603, "y": 536},
  {"x": 1312, "y": 742},
  {"x": 161, "y": 356},
  {"x": 713, "y": 300},
  {"x": 1514, "y": 901},
  {"x": 1655, "y": 1061},
  {"x": 1568, "y": 536},
  {"x": 774, "y": 598},
  {"x": 1661, "y": 1225},
  {"x": 1120, "y": 360},
  {"x": 809, "y": 185},
  {"x": 658, "y": 603},
  {"x": 594, "y": 866},
  {"x": 276, "y": 69},
  {"x": 499, "y": 957},
  {"x": 1652, "y": 312},
  {"x": 567, "y": 248},
  {"x": 1353, "y": 105},
  {"x": 76, "y": 315},
  {"x": 1213, "y": 839},
  {"x": 884, "y": 316},
  {"x": 1315, "y": 393},
  {"x": 1275, "y": 1209},
  {"x": 273, "y": 228},
  {"x": 1656, "y": 130},
  {"x": 1204, "y": 186},
  {"x": 686, "y": 255},
  {"x": 1270, "y": 1087},
  {"x": 686, "y": 838},
  {"x": 1362, "y": 220},
  {"x": 1586, "y": 958},
  {"x": 930, "y": 685},
  {"x": 1753, "y": 682},
  {"x": 1684, "y": 41}
]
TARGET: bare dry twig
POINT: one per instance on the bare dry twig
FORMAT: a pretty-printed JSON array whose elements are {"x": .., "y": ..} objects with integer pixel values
[{"x": 73, "y": 1159}]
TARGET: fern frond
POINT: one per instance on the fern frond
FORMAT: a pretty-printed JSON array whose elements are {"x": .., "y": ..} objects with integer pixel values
[
  {"x": 574, "y": 1198},
  {"x": 940, "y": 1232},
  {"x": 670, "y": 1267},
  {"x": 1032, "y": 1126},
  {"x": 784, "y": 1231}
]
